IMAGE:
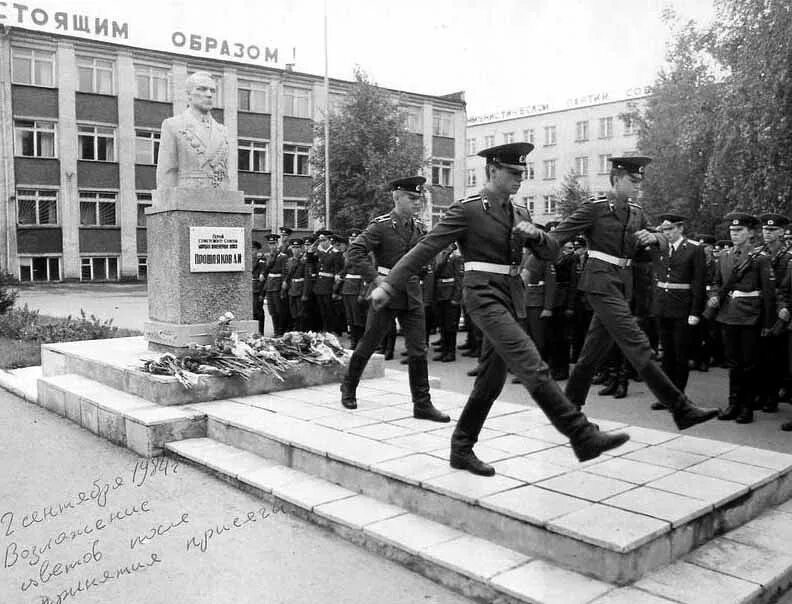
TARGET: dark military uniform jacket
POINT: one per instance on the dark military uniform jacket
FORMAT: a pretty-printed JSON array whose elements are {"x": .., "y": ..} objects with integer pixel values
[
  {"x": 609, "y": 227},
  {"x": 259, "y": 268},
  {"x": 449, "y": 271},
  {"x": 752, "y": 298},
  {"x": 566, "y": 275},
  {"x": 539, "y": 277},
  {"x": 780, "y": 264},
  {"x": 298, "y": 277},
  {"x": 276, "y": 271},
  {"x": 679, "y": 281},
  {"x": 483, "y": 228},
  {"x": 352, "y": 282},
  {"x": 327, "y": 265},
  {"x": 389, "y": 237}
]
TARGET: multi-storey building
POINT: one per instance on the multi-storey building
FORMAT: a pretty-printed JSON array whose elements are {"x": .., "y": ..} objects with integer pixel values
[
  {"x": 79, "y": 133},
  {"x": 577, "y": 139}
]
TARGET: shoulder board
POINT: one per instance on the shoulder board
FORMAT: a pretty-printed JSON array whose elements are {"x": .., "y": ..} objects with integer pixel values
[
  {"x": 383, "y": 218},
  {"x": 693, "y": 242},
  {"x": 635, "y": 205},
  {"x": 598, "y": 198},
  {"x": 418, "y": 221},
  {"x": 471, "y": 198}
]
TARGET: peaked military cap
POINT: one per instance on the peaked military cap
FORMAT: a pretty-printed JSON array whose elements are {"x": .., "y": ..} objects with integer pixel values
[
  {"x": 633, "y": 164},
  {"x": 352, "y": 233},
  {"x": 724, "y": 243},
  {"x": 705, "y": 238},
  {"x": 742, "y": 219},
  {"x": 336, "y": 238},
  {"x": 579, "y": 241},
  {"x": 309, "y": 239},
  {"x": 549, "y": 226},
  {"x": 411, "y": 184},
  {"x": 295, "y": 241},
  {"x": 774, "y": 220},
  {"x": 673, "y": 218},
  {"x": 284, "y": 230},
  {"x": 510, "y": 155},
  {"x": 272, "y": 237},
  {"x": 324, "y": 232}
]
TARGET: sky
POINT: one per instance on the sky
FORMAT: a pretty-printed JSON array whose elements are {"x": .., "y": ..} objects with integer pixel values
[{"x": 502, "y": 53}]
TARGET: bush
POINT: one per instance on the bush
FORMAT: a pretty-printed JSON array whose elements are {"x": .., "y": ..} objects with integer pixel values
[
  {"x": 27, "y": 324},
  {"x": 8, "y": 295}
]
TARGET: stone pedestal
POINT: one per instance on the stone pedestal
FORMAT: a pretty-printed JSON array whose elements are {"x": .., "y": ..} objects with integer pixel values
[{"x": 184, "y": 303}]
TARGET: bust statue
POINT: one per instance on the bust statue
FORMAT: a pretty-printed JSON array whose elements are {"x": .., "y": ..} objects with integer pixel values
[{"x": 193, "y": 149}]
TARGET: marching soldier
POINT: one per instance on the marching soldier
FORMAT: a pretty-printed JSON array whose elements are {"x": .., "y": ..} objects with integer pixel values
[
  {"x": 491, "y": 233},
  {"x": 276, "y": 268},
  {"x": 259, "y": 266},
  {"x": 297, "y": 283},
  {"x": 389, "y": 237},
  {"x": 744, "y": 305},
  {"x": 679, "y": 296},
  {"x": 449, "y": 270},
  {"x": 774, "y": 346},
  {"x": 614, "y": 228},
  {"x": 353, "y": 293}
]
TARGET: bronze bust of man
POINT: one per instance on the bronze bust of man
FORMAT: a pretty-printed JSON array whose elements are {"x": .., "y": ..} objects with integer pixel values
[{"x": 193, "y": 146}]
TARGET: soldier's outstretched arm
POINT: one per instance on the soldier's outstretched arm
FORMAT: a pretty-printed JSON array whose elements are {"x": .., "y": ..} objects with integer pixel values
[
  {"x": 359, "y": 257},
  {"x": 574, "y": 224}
]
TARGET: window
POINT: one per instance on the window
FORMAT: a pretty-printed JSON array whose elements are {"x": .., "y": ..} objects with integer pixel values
[
  {"x": 549, "y": 169},
  {"x": 297, "y": 102},
  {"x": 39, "y": 268},
  {"x": 97, "y": 208},
  {"x": 581, "y": 166},
  {"x": 582, "y": 131},
  {"x": 442, "y": 123},
  {"x": 528, "y": 135},
  {"x": 295, "y": 160},
  {"x": 604, "y": 165},
  {"x": 153, "y": 83},
  {"x": 36, "y": 67},
  {"x": 530, "y": 202},
  {"x": 143, "y": 202},
  {"x": 630, "y": 127},
  {"x": 147, "y": 144},
  {"x": 99, "y": 269},
  {"x": 37, "y": 206},
  {"x": 94, "y": 75},
  {"x": 549, "y": 204},
  {"x": 415, "y": 119},
  {"x": 508, "y": 137},
  {"x": 441, "y": 172},
  {"x": 96, "y": 143},
  {"x": 470, "y": 181},
  {"x": 142, "y": 268},
  {"x": 295, "y": 213},
  {"x": 550, "y": 135},
  {"x": 489, "y": 141},
  {"x": 254, "y": 96},
  {"x": 471, "y": 146},
  {"x": 34, "y": 138},
  {"x": 259, "y": 212},
  {"x": 530, "y": 172},
  {"x": 606, "y": 127},
  {"x": 253, "y": 156}
]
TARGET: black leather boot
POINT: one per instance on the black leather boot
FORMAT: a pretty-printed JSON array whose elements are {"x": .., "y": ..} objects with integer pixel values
[
  {"x": 467, "y": 460},
  {"x": 390, "y": 344},
  {"x": 621, "y": 386},
  {"x": 587, "y": 440},
  {"x": 685, "y": 413},
  {"x": 351, "y": 380},
  {"x": 731, "y": 411},
  {"x": 746, "y": 415},
  {"x": 419, "y": 387},
  {"x": 610, "y": 387},
  {"x": 449, "y": 352}
]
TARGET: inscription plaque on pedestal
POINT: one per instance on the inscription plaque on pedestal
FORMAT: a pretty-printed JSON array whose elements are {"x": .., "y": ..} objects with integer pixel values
[{"x": 217, "y": 249}]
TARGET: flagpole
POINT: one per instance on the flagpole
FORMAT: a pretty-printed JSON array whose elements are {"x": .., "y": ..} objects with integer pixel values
[{"x": 326, "y": 127}]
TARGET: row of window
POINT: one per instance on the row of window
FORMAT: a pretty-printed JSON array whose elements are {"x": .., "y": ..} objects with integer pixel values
[
  {"x": 37, "y": 68},
  {"x": 92, "y": 268},
  {"x": 551, "y": 134},
  {"x": 580, "y": 168}
]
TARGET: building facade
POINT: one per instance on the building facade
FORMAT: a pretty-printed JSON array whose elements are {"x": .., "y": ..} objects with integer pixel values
[
  {"x": 79, "y": 130},
  {"x": 577, "y": 139}
]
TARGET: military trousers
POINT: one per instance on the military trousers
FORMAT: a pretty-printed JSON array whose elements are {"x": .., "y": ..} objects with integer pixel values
[
  {"x": 296, "y": 310},
  {"x": 613, "y": 322},
  {"x": 773, "y": 365},
  {"x": 380, "y": 322},
  {"x": 279, "y": 311},
  {"x": 741, "y": 350},
  {"x": 537, "y": 328},
  {"x": 505, "y": 347},
  {"x": 675, "y": 338}
]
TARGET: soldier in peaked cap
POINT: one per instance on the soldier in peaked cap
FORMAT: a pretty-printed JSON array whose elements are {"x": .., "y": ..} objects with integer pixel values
[
  {"x": 679, "y": 297},
  {"x": 388, "y": 238},
  {"x": 615, "y": 228},
  {"x": 773, "y": 348},
  {"x": 492, "y": 233},
  {"x": 743, "y": 303}
]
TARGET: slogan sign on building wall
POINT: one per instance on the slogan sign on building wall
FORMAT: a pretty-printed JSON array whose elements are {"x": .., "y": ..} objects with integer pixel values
[
  {"x": 217, "y": 249},
  {"x": 165, "y": 32}
]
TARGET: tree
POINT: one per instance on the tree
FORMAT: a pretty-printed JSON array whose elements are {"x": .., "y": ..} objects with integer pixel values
[
  {"x": 571, "y": 195},
  {"x": 369, "y": 146}
]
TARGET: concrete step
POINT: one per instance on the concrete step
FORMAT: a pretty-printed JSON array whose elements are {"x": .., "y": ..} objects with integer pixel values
[
  {"x": 117, "y": 363},
  {"x": 615, "y": 518},
  {"x": 125, "y": 419},
  {"x": 751, "y": 564}
]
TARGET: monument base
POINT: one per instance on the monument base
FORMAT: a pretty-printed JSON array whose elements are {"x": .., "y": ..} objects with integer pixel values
[{"x": 173, "y": 337}]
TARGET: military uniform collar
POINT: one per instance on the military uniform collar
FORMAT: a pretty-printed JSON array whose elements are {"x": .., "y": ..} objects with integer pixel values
[{"x": 488, "y": 199}]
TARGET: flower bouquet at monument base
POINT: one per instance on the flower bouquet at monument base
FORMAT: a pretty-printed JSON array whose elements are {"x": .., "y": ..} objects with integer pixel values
[{"x": 231, "y": 356}]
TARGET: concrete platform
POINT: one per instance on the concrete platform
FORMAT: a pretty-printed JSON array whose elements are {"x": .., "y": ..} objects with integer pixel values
[{"x": 117, "y": 363}]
